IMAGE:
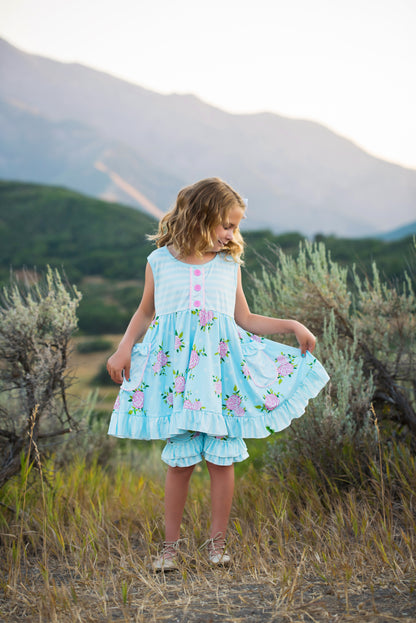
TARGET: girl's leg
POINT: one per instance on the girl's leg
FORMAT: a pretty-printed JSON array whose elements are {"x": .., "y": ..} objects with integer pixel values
[
  {"x": 222, "y": 489},
  {"x": 176, "y": 491}
]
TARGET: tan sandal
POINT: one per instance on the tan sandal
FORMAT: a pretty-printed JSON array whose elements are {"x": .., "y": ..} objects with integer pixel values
[
  {"x": 216, "y": 550},
  {"x": 168, "y": 558}
]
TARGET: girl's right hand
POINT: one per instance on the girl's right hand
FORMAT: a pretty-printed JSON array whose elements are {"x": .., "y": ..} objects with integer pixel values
[
  {"x": 306, "y": 339},
  {"x": 118, "y": 362}
]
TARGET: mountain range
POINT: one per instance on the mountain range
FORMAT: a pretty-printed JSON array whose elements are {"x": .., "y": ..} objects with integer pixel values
[{"x": 67, "y": 124}]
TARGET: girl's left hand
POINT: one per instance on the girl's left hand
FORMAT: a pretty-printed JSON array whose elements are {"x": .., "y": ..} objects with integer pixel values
[{"x": 305, "y": 338}]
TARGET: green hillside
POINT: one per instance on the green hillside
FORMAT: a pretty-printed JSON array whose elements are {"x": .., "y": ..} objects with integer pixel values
[
  {"x": 42, "y": 224},
  {"x": 102, "y": 248}
]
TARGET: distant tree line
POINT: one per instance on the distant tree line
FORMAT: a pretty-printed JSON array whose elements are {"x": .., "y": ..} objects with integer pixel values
[{"x": 90, "y": 239}]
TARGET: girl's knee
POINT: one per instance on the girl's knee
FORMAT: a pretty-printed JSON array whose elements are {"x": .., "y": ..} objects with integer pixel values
[
  {"x": 213, "y": 467},
  {"x": 181, "y": 470}
]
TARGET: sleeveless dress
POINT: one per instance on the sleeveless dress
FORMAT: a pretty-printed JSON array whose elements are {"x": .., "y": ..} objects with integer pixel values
[{"x": 196, "y": 370}]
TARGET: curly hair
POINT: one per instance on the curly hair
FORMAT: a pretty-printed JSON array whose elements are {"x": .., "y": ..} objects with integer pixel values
[{"x": 198, "y": 210}]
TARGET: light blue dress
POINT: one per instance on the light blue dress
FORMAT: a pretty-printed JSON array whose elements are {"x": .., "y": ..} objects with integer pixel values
[{"x": 196, "y": 370}]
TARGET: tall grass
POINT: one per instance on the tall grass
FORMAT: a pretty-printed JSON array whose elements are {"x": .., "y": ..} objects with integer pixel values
[{"x": 77, "y": 542}]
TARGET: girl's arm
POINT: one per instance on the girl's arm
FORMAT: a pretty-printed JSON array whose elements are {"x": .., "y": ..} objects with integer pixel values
[
  {"x": 265, "y": 325},
  {"x": 138, "y": 326}
]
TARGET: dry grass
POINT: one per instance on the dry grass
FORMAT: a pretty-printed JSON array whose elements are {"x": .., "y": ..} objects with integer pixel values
[
  {"x": 77, "y": 549},
  {"x": 77, "y": 541}
]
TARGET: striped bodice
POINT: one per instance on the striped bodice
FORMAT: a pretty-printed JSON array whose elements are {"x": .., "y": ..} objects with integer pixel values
[{"x": 180, "y": 286}]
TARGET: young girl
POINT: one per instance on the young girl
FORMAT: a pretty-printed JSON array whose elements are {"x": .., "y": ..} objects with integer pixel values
[{"x": 202, "y": 378}]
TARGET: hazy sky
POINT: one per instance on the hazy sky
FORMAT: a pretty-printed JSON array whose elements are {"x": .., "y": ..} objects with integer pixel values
[{"x": 349, "y": 64}]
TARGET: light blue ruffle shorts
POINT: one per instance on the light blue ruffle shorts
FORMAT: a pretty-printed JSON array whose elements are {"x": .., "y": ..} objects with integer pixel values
[{"x": 189, "y": 448}]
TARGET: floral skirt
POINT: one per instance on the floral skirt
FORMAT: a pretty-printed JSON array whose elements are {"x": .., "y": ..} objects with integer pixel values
[{"x": 198, "y": 371}]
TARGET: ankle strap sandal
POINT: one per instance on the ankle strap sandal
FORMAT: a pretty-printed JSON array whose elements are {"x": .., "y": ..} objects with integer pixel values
[
  {"x": 168, "y": 557},
  {"x": 216, "y": 550}
]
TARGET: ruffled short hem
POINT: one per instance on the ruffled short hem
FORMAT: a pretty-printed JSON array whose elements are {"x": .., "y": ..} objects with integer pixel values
[
  {"x": 190, "y": 448},
  {"x": 217, "y": 460}
]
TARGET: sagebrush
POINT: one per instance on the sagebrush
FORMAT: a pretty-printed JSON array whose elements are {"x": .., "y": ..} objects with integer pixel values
[
  {"x": 37, "y": 320},
  {"x": 366, "y": 332}
]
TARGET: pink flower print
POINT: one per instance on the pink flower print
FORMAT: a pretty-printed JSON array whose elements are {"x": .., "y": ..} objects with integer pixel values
[
  {"x": 285, "y": 369},
  {"x": 271, "y": 402},
  {"x": 138, "y": 399},
  {"x": 223, "y": 349},
  {"x": 246, "y": 371},
  {"x": 193, "y": 406},
  {"x": 218, "y": 387},
  {"x": 179, "y": 384},
  {"x": 178, "y": 341},
  {"x": 233, "y": 402},
  {"x": 256, "y": 338},
  {"x": 281, "y": 359},
  {"x": 117, "y": 404},
  {"x": 194, "y": 360},
  {"x": 168, "y": 397},
  {"x": 205, "y": 317},
  {"x": 162, "y": 358}
]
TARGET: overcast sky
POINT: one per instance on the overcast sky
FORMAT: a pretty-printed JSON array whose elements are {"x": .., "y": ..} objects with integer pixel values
[{"x": 348, "y": 64}]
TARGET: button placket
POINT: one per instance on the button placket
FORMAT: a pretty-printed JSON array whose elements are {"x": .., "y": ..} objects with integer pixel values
[{"x": 197, "y": 287}]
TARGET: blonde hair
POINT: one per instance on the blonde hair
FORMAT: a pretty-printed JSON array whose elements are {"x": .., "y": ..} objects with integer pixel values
[{"x": 198, "y": 210}]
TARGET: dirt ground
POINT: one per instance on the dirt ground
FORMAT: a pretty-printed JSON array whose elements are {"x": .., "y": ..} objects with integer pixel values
[
  {"x": 218, "y": 595},
  {"x": 262, "y": 602}
]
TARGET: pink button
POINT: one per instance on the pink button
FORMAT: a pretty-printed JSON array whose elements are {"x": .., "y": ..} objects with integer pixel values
[
  {"x": 197, "y": 272},
  {"x": 197, "y": 287},
  {"x": 197, "y": 303}
]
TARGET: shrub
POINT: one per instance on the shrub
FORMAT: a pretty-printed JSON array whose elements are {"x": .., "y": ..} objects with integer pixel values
[
  {"x": 36, "y": 323},
  {"x": 366, "y": 340}
]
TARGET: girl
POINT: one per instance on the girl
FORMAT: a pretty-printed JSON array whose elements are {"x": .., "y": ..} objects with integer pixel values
[{"x": 202, "y": 378}]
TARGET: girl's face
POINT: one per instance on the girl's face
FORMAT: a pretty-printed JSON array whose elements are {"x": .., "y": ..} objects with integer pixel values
[{"x": 224, "y": 232}]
